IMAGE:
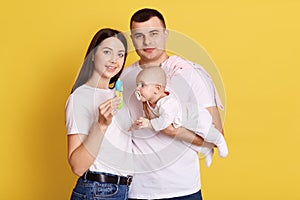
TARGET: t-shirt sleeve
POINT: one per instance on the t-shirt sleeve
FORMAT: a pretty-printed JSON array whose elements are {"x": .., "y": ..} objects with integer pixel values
[
  {"x": 207, "y": 78},
  {"x": 189, "y": 83},
  {"x": 77, "y": 120},
  {"x": 201, "y": 91}
]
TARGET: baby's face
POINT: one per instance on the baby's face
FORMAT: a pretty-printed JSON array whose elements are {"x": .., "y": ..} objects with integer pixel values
[{"x": 145, "y": 91}]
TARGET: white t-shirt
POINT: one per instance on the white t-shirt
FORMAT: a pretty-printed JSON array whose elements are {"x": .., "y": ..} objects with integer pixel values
[
  {"x": 167, "y": 112},
  {"x": 115, "y": 154},
  {"x": 190, "y": 115},
  {"x": 165, "y": 167}
]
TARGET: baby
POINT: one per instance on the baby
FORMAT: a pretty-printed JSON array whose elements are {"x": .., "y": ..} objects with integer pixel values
[{"x": 165, "y": 113}]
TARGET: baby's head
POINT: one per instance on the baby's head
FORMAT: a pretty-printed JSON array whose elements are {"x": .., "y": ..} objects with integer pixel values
[
  {"x": 151, "y": 83},
  {"x": 152, "y": 75}
]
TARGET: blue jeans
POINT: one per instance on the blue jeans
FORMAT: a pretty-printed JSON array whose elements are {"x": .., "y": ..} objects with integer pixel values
[
  {"x": 93, "y": 190},
  {"x": 195, "y": 196}
]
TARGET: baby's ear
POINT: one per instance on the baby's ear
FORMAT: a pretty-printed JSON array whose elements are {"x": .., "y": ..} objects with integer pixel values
[{"x": 158, "y": 87}]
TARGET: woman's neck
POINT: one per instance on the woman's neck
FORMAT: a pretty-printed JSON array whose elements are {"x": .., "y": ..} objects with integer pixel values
[{"x": 98, "y": 82}]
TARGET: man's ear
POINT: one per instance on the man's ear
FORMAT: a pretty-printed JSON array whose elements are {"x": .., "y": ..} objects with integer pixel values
[{"x": 166, "y": 33}]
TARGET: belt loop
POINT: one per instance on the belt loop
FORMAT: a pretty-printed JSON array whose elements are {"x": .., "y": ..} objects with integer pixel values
[
  {"x": 118, "y": 180},
  {"x": 129, "y": 179},
  {"x": 85, "y": 174}
]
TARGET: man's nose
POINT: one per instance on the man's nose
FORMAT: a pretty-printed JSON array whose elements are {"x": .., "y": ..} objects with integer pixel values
[{"x": 146, "y": 40}]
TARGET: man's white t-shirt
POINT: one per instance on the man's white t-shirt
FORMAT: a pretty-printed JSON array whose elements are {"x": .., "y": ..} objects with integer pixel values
[
  {"x": 165, "y": 167},
  {"x": 115, "y": 154}
]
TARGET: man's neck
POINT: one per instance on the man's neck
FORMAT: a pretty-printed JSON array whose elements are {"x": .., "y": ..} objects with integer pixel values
[{"x": 158, "y": 62}]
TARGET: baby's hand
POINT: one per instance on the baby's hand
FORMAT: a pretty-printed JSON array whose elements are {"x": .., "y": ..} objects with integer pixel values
[{"x": 140, "y": 123}]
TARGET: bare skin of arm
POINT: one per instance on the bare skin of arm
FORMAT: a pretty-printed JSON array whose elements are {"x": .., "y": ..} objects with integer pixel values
[
  {"x": 214, "y": 112},
  {"x": 183, "y": 134},
  {"x": 83, "y": 149},
  {"x": 178, "y": 133}
]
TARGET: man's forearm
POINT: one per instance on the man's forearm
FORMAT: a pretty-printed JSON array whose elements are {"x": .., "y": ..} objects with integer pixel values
[{"x": 184, "y": 135}]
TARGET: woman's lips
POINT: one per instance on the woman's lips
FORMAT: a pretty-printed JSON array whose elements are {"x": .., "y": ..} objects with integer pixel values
[{"x": 111, "y": 68}]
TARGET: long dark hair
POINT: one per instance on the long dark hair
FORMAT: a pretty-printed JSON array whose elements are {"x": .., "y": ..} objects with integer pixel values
[{"x": 88, "y": 66}]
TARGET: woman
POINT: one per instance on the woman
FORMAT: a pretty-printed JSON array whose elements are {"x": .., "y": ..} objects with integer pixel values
[{"x": 98, "y": 150}]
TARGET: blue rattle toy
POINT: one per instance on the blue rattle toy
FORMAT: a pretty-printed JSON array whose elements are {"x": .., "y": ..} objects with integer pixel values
[{"x": 119, "y": 92}]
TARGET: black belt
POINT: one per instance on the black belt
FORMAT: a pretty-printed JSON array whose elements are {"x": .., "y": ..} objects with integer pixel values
[{"x": 114, "y": 179}]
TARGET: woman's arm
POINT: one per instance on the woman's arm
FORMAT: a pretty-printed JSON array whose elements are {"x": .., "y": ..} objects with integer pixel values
[{"x": 83, "y": 149}]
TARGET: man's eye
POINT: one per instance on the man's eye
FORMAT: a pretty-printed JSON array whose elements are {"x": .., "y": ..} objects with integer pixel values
[{"x": 138, "y": 36}]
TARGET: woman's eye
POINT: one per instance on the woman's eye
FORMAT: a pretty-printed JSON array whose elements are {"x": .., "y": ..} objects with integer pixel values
[
  {"x": 106, "y": 52},
  {"x": 120, "y": 55}
]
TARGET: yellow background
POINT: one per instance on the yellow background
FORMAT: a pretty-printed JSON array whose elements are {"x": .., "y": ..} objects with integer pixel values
[{"x": 255, "y": 45}]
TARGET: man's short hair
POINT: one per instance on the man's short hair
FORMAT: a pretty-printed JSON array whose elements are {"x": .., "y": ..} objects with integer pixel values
[{"x": 145, "y": 14}]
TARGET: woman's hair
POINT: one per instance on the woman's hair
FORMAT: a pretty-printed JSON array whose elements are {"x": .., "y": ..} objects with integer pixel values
[
  {"x": 88, "y": 65},
  {"x": 145, "y": 14}
]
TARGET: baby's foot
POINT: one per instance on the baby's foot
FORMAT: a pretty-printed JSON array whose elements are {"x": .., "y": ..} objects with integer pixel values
[
  {"x": 208, "y": 157},
  {"x": 223, "y": 150}
]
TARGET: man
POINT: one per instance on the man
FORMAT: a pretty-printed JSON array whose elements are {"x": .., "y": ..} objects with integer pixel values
[{"x": 165, "y": 167}]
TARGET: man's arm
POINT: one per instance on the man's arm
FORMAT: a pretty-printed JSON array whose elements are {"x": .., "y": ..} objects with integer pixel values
[
  {"x": 189, "y": 136},
  {"x": 214, "y": 112},
  {"x": 184, "y": 135},
  {"x": 204, "y": 88},
  {"x": 179, "y": 133}
]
